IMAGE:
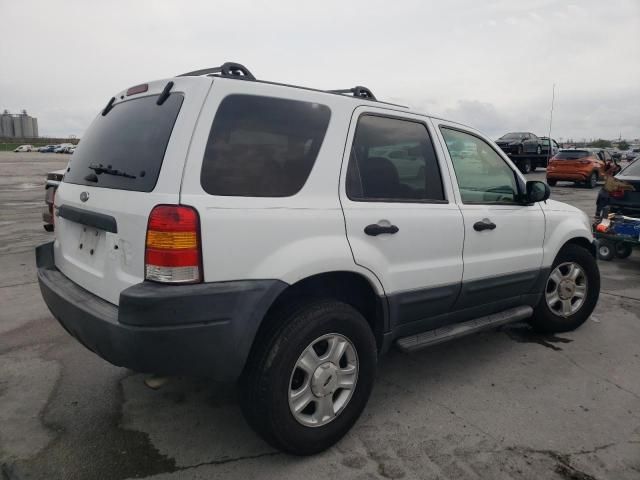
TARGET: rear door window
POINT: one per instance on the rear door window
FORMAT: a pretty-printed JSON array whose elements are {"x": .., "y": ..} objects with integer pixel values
[
  {"x": 262, "y": 146},
  {"x": 124, "y": 149},
  {"x": 393, "y": 160}
]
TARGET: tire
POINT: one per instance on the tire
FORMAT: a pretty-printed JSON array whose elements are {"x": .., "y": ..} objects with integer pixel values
[
  {"x": 548, "y": 316},
  {"x": 592, "y": 182},
  {"x": 525, "y": 167},
  {"x": 273, "y": 370},
  {"x": 623, "y": 250},
  {"x": 552, "y": 183},
  {"x": 606, "y": 250}
]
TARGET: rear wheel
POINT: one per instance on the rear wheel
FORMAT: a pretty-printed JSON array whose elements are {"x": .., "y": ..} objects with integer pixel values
[
  {"x": 525, "y": 166},
  {"x": 623, "y": 250},
  {"x": 571, "y": 291},
  {"x": 552, "y": 183},
  {"x": 309, "y": 379}
]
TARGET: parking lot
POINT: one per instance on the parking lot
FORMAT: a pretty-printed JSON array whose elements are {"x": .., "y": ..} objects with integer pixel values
[{"x": 503, "y": 404}]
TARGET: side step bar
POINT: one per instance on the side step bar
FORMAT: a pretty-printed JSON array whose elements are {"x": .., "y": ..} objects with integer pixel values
[{"x": 443, "y": 334}]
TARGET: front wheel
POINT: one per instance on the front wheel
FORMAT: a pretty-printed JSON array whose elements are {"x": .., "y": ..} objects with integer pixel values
[
  {"x": 606, "y": 250},
  {"x": 552, "y": 183},
  {"x": 309, "y": 379},
  {"x": 571, "y": 292},
  {"x": 592, "y": 182}
]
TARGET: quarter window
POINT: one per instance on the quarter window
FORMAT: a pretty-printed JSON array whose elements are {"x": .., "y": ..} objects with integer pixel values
[
  {"x": 483, "y": 175},
  {"x": 262, "y": 146},
  {"x": 393, "y": 160}
]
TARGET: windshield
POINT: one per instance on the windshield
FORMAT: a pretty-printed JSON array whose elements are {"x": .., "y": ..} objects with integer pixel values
[
  {"x": 130, "y": 139},
  {"x": 572, "y": 154},
  {"x": 632, "y": 170},
  {"x": 513, "y": 136}
]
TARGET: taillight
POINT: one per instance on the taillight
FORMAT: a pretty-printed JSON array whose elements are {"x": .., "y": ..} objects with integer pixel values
[
  {"x": 172, "y": 253},
  {"x": 617, "y": 194}
]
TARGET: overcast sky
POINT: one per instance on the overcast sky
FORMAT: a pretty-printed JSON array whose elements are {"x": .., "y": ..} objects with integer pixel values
[{"x": 490, "y": 64}]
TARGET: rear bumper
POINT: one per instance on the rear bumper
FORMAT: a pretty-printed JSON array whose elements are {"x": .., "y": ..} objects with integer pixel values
[
  {"x": 569, "y": 177},
  {"x": 204, "y": 330}
]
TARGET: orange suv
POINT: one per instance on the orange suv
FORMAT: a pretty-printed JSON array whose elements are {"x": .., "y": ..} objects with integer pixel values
[{"x": 579, "y": 166}]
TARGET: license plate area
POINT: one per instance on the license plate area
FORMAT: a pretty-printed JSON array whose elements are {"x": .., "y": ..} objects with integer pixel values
[
  {"x": 83, "y": 246},
  {"x": 91, "y": 242}
]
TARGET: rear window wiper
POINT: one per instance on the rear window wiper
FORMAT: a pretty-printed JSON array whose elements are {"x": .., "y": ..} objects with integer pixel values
[{"x": 109, "y": 171}]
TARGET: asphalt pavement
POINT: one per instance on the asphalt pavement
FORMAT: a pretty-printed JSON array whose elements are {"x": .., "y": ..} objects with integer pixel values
[{"x": 504, "y": 404}]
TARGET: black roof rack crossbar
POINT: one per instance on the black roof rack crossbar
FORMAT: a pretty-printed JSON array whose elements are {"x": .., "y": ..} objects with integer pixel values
[
  {"x": 228, "y": 69},
  {"x": 357, "y": 91}
]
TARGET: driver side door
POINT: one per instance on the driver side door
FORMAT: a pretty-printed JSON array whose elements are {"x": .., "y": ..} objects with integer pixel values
[{"x": 503, "y": 240}]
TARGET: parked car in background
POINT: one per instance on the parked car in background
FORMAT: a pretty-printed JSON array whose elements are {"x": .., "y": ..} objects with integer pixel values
[
  {"x": 548, "y": 146},
  {"x": 47, "y": 148},
  {"x": 519, "y": 143},
  {"x": 623, "y": 200},
  {"x": 24, "y": 148},
  {"x": 63, "y": 147},
  {"x": 630, "y": 155},
  {"x": 53, "y": 181},
  {"x": 579, "y": 166}
]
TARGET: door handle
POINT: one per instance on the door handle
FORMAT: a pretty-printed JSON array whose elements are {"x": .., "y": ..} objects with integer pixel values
[
  {"x": 374, "y": 229},
  {"x": 485, "y": 224}
]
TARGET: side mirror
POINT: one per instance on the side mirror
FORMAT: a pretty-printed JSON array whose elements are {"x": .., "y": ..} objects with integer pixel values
[{"x": 537, "y": 191}]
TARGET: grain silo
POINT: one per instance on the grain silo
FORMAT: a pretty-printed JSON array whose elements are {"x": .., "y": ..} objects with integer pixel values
[
  {"x": 6, "y": 124},
  {"x": 26, "y": 125},
  {"x": 17, "y": 126}
]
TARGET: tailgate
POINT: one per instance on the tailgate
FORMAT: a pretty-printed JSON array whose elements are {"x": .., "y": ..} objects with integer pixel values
[{"x": 128, "y": 161}]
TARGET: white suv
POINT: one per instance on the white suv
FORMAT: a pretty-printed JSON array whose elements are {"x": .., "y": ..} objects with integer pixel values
[{"x": 214, "y": 224}]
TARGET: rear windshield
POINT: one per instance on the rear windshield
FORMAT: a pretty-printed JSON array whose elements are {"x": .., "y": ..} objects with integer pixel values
[
  {"x": 572, "y": 154},
  {"x": 124, "y": 149},
  {"x": 262, "y": 146}
]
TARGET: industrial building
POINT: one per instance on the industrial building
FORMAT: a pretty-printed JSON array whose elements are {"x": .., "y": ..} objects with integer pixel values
[{"x": 18, "y": 125}]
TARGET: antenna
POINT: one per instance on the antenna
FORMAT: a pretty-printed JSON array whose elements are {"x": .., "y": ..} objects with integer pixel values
[{"x": 553, "y": 97}]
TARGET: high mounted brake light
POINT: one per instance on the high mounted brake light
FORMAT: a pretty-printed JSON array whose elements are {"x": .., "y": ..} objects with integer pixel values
[
  {"x": 138, "y": 89},
  {"x": 173, "y": 253}
]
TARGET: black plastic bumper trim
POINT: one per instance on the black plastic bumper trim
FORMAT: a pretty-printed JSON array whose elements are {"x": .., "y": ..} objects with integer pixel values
[
  {"x": 203, "y": 330},
  {"x": 85, "y": 217}
]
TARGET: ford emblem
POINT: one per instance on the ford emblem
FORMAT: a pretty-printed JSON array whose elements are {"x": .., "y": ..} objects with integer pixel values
[{"x": 84, "y": 196}]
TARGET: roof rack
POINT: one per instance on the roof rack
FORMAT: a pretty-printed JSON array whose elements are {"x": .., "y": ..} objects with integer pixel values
[
  {"x": 239, "y": 71},
  {"x": 357, "y": 91},
  {"x": 228, "y": 69}
]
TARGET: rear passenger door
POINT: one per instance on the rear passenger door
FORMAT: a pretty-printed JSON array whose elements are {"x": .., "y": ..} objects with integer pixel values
[{"x": 401, "y": 222}]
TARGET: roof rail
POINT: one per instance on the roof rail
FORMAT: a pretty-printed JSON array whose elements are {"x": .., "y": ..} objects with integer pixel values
[
  {"x": 228, "y": 69},
  {"x": 357, "y": 91},
  {"x": 240, "y": 72}
]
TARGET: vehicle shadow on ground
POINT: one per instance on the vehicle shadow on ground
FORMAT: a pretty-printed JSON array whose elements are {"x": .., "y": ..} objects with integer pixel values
[{"x": 211, "y": 428}]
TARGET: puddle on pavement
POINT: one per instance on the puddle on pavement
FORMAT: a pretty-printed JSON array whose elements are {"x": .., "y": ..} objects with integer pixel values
[{"x": 525, "y": 334}]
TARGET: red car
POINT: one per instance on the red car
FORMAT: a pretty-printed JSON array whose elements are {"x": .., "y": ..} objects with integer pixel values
[{"x": 579, "y": 166}]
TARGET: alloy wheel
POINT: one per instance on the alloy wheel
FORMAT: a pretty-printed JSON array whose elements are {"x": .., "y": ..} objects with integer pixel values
[
  {"x": 323, "y": 380},
  {"x": 566, "y": 289}
]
